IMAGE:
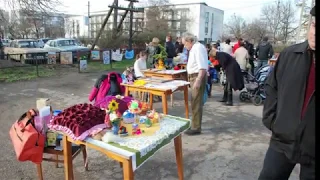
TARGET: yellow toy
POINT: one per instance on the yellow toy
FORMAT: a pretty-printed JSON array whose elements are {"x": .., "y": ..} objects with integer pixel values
[
  {"x": 161, "y": 64},
  {"x": 154, "y": 116}
]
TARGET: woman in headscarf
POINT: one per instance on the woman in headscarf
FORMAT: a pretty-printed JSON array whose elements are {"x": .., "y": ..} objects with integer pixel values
[
  {"x": 152, "y": 49},
  {"x": 233, "y": 74}
]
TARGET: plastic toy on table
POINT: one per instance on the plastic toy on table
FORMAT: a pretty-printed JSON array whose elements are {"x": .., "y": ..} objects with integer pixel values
[
  {"x": 154, "y": 116},
  {"x": 128, "y": 117}
]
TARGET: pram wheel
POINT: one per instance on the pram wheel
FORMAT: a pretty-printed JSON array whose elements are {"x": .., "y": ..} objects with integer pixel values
[
  {"x": 243, "y": 96},
  {"x": 257, "y": 100}
]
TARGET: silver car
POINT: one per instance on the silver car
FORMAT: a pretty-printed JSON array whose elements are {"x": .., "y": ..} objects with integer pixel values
[{"x": 65, "y": 45}]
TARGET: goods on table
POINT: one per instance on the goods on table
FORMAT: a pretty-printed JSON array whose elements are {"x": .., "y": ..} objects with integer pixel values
[
  {"x": 139, "y": 82},
  {"x": 79, "y": 121}
]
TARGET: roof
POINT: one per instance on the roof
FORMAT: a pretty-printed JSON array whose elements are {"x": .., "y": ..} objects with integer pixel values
[{"x": 25, "y": 40}]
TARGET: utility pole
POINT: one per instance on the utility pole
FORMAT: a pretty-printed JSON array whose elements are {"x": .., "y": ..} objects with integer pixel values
[
  {"x": 115, "y": 19},
  {"x": 300, "y": 20},
  {"x": 88, "y": 20},
  {"x": 130, "y": 28}
]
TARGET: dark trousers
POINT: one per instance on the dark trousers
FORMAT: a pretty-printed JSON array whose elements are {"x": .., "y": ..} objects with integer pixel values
[
  {"x": 277, "y": 166},
  {"x": 252, "y": 66},
  {"x": 227, "y": 92}
]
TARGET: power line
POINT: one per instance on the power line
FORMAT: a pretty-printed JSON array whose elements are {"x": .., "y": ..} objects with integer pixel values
[{"x": 251, "y": 5}]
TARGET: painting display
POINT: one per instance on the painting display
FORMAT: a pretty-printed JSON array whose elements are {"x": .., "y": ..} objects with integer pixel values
[
  {"x": 52, "y": 57},
  {"x": 106, "y": 57},
  {"x": 66, "y": 57},
  {"x": 95, "y": 55}
]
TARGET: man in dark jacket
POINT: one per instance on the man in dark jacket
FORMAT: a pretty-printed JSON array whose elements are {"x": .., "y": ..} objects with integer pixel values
[
  {"x": 171, "y": 51},
  {"x": 250, "y": 50},
  {"x": 289, "y": 112},
  {"x": 264, "y": 52},
  {"x": 233, "y": 74}
]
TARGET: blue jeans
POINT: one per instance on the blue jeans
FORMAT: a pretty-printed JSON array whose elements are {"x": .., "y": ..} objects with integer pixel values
[{"x": 169, "y": 63}]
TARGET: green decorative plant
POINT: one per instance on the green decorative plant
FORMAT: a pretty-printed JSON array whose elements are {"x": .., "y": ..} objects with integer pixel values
[{"x": 162, "y": 55}]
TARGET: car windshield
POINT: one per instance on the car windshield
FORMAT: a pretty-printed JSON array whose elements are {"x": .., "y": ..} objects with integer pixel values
[
  {"x": 67, "y": 43},
  {"x": 28, "y": 44}
]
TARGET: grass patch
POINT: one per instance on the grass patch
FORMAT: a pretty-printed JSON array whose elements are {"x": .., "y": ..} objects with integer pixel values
[
  {"x": 116, "y": 66},
  {"x": 24, "y": 73}
]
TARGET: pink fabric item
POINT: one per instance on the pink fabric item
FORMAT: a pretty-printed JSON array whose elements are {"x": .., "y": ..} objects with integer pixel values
[
  {"x": 93, "y": 94},
  {"x": 98, "y": 94}
]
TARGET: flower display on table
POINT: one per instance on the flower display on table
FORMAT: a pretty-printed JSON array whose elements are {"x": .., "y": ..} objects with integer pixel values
[
  {"x": 113, "y": 105},
  {"x": 135, "y": 107},
  {"x": 115, "y": 118}
]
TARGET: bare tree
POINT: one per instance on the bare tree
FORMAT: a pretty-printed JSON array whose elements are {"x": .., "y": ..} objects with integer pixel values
[
  {"x": 287, "y": 21},
  {"x": 236, "y": 26},
  {"x": 256, "y": 30},
  {"x": 271, "y": 14}
]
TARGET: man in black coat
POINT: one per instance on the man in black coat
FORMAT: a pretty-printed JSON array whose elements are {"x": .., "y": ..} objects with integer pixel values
[
  {"x": 233, "y": 74},
  {"x": 250, "y": 50},
  {"x": 289, "y": 112},
  {"x": 171, "y": 51},
  {"x": 264, "y": 52}
]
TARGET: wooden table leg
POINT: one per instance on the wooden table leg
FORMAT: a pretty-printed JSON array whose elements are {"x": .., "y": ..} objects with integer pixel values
[
  {"x": 179, "y": 158},
  {"x": 151, "y": 101},
  {"x": 186, "y": 100},
  {"x": 164, "y": 103},
  {"x": 171, "y": 99},
  {"x": 127, "y": 170},
  {"x": 67, "y": 156},
  {"x": 39, "y": 170},
  {"x": 126, "y": 93}
]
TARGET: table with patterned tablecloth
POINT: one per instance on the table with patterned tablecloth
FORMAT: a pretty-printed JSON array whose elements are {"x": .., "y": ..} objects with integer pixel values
[{"x": 133, "y": 151}]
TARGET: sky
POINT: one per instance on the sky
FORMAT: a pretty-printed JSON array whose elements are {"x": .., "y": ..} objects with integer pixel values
[{"x": 248, "y": 9}]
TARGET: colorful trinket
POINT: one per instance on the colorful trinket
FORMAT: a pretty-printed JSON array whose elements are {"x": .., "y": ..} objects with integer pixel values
[{"x": 123, "y": 131}]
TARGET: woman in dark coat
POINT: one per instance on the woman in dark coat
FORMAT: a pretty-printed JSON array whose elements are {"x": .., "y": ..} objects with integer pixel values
[{"x": 233, "y": 74}]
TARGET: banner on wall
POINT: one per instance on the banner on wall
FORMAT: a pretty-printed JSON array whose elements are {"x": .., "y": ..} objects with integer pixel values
[{"x": 117, "y": 55}]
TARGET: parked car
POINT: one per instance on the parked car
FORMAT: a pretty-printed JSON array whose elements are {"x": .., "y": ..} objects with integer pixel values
[
  {"x": 5, "y": 42},
  {"x": 43, "y": 41},
  {"x": 65, "y": 45},
  {"x": 25, "y": 50}
]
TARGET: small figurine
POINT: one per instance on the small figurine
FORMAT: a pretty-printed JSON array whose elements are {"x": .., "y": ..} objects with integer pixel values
[
  {"x": 123, "y": 131},
  {"x": 154, "y": 116},
  {"x": 142, "y": 119},
  {"x": 136, "y": 132},
  {"x": 161, "y": 64},
  {"x": 135, "y": 126},
  {"x": 148, "y": 123},
  {"x": 134, "y": 107},
  {"x": 128, "y": 117}
]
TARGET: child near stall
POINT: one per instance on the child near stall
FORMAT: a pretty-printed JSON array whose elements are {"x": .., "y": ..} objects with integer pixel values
[{"x": 140, "y": 64}]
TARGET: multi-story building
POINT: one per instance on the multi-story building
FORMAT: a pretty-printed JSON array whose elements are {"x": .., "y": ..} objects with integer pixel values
[{"x": 203, "y": 21}]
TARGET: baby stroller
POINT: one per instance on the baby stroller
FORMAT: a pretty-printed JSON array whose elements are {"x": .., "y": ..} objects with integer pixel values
[{"x": 254, "y": 86}]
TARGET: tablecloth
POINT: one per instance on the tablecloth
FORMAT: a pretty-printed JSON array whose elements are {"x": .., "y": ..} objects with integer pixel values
[{"x": 140, "y": 149}]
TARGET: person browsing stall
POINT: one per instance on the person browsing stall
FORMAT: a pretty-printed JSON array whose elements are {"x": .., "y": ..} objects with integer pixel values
[
  {"x": 197, "y": 68},
  {"x": 140, "y": 64}
]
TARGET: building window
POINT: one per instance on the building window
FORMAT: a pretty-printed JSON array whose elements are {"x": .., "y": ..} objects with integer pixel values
[
  {"x": 206, "y": 29},
  {"x": 212, "y": 21}
]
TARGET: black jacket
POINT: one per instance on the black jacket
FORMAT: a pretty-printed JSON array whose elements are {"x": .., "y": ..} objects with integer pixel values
[
  {"x": 250, "y": 49},
  {"x": 285, "y": 90},
  {"x": 232, "y": 70},
  {"x": 170, "y": 49},
  {"x": 264, "y": 51}
]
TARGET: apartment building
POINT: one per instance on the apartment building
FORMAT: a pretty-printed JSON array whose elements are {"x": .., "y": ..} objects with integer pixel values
[{"x": 203, "y": 21}]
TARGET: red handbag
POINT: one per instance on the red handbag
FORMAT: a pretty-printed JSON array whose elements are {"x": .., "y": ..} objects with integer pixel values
[{"x": 28, "y": 143}]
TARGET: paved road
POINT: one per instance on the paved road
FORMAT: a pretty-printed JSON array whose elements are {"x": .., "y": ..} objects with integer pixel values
[{"x": 232, "y": 145}]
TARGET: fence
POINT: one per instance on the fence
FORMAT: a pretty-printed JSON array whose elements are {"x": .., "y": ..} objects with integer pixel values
[{"x": 38, "y": 64}]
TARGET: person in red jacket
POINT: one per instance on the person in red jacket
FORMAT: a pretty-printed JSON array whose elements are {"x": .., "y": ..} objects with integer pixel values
[{"x": 236, "y": 46}]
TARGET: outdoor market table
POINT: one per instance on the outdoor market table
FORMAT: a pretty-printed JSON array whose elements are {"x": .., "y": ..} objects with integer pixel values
[
  {"x": 167, "y": 74},
  {"x": 163, "y": 90},
  {"x": 131, "y": 151}
]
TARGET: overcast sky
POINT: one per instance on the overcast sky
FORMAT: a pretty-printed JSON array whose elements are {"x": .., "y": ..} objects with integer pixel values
[{"x": 248, "y": 9}]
